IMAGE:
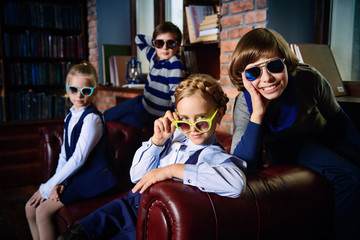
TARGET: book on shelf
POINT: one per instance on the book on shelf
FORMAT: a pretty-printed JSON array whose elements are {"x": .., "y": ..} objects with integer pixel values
[
  {"x": 111, "y": 50},
  {"x": 118, "y": 65},
  {"x": 42, "y": 15},
  {"x": 209, "y": 37},
  {"x": 37, "y": 74},
  {"x": 209, "y": 25},
  {"x": 28, "y": 105},
  {"x": 320, "y": 57},
  {"x": 210, "y": 20},
  {"x": 195, "y": 15},
  {"x": 43, "y": 45},
  {"x": 190, "y": 25},
  {"x": 209, "y": 31}
]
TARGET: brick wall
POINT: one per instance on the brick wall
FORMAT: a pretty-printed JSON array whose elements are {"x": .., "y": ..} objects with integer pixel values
[
  {"x": 106, "y": 97},
  {"x": 92, "y": 33},
  {"x": 237, "y": 18}
]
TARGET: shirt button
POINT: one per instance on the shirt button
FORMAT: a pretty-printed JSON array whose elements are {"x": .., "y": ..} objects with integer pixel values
[{"x": 189, "y": 180}]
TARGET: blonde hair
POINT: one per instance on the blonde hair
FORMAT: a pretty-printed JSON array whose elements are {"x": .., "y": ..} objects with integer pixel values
[
  {"x": 204, "y": 85},
  {"x": 87, "y": 71},
  {"x": 258, "y": 43}
]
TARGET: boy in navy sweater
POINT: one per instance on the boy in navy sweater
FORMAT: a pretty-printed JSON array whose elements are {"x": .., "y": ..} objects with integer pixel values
[{"x": 165, "y": 73}]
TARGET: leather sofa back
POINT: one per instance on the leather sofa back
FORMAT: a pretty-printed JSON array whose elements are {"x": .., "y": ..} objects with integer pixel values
[
  {"x": 281, "y": 202},
  {"x": 124, "y": 141}
]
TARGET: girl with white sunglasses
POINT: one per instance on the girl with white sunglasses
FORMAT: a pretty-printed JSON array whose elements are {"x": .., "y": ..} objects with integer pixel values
[{"x": 82, "y": 171}]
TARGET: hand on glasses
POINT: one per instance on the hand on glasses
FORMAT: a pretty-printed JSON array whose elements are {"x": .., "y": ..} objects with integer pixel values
[
  {"x": 258, "y": 101},
  {"x": 164, "y": 128},
  {"x": 202, "y": 125}
]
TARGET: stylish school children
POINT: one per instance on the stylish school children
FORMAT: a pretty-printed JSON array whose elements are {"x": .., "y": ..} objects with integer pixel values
[
  {"x": 83, "y": 170},
  {"x": 290, "y": 109},
  {"x": 166, "y": 71},
  {"x": 184, "y": 147}
]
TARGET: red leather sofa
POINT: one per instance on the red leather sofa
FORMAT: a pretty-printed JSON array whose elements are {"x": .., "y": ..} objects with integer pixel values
[{"x": 280, "y": 202}]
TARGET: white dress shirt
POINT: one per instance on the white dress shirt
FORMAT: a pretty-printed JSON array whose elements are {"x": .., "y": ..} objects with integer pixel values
[{"x": 90, "y": 135}]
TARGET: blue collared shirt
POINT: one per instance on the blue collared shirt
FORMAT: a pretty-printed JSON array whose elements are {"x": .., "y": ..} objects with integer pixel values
[{"x": 216, "y": 171}]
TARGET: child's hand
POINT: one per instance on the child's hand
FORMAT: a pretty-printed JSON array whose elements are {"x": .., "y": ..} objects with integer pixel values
[
  {"x": 56, "y": 193},
  {"x": 36, "y": 199},
  {"x": 158, "y": 175},
  {"x": 164, "y": 128},
  {"x": 259, "y": 103}
]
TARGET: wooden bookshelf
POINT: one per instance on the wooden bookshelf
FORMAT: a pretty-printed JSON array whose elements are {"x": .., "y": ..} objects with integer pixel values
[
  {"x": 200, "y": 57},
  {"x": 40, "y": 40}
]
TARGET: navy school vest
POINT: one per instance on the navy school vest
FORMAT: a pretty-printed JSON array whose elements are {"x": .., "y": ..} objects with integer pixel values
[{"x": 94, "y": 177}]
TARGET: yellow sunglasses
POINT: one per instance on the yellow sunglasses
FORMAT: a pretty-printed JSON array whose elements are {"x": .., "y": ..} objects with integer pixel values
[{"x": 202, "y": 125}]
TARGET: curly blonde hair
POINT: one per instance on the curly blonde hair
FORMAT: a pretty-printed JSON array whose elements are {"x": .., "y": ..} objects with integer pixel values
[{"x": 205, "y": 85}]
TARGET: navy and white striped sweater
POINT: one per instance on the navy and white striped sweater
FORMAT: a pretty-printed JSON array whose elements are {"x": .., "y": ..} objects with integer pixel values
[{"x": 163, "y": 78}]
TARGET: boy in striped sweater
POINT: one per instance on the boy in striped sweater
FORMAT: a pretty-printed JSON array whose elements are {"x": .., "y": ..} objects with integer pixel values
[{"x": 166, "y": 71}]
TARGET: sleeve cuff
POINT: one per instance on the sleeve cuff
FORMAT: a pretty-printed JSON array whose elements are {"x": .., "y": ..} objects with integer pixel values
[
  {"x": 151, "y": 148},
  {"x": 43, "y": 191},
  {"x": 190, "y": 175}
]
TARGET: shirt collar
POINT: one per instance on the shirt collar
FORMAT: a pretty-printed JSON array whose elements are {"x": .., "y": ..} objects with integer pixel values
[{"x": 180, "y": 137}]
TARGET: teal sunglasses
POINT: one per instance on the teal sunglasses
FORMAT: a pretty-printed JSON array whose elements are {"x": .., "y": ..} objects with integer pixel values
[{"x": 85, "y": 91}]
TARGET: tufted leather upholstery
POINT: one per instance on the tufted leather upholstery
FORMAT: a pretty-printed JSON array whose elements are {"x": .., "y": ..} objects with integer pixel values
[{"x": 280, "y": 202}]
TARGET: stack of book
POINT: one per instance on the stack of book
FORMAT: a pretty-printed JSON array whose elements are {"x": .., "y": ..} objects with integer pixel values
[
  {"x": 203, "y": 23},
  {"x": 209, "y": 28}
]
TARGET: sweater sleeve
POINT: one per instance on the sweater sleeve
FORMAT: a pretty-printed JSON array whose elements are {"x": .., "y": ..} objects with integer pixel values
[
  {"x": 247, "y": 135},
  {"x": 145, "y": 45}
]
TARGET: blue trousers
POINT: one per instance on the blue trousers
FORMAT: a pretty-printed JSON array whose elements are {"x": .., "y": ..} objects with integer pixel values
[
  {"x": 339, "y": 162},
  {"x": 115, "y": 220},
  {"x": 131, "y": 112},
  {"x": 345, "y": 178}
]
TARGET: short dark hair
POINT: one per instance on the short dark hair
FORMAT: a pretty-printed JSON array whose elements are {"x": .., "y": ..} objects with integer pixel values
[{"x": 168, "y": 27}]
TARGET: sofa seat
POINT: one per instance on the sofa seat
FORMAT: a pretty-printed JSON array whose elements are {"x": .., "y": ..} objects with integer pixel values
[{"x": 279, "y": 202}]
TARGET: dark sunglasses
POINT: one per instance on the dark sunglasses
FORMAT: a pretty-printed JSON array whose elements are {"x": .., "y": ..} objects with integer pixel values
[
  {"x": 85, "y": 91},
  {"x": 273, "y": 66},
  {"x": 202, "y": 125},
  {"x": 171, "y": 44}
]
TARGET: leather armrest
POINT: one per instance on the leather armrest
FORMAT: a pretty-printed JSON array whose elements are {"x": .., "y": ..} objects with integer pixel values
[
  {"x": 172, "y": 210},
  {"x": 50, "y": 141},
  {"x": 281, "y": 202}
]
